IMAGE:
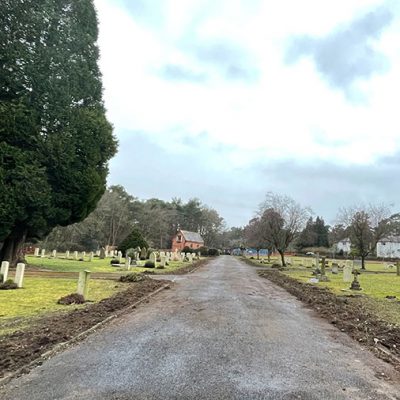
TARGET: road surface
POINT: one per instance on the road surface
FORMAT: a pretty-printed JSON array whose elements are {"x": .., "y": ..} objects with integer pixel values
[{"x": 219, "y": 333}]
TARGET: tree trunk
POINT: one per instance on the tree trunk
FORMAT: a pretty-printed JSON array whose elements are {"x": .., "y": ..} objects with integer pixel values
[
  {"x": 269, "y": 256},
  {"x": 282, "y": 258},
  {"x": 258, "y": 254},
  {"x": 363, "y": 262},
  {"x": 12, "y": 247}
]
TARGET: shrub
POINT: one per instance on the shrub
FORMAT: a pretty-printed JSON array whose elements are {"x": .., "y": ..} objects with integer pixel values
[
  {"x": 143, "y": 258},
  {"x": 114, "y": 261},
  {"x": 149, "y": 264},
  {"x": 187, "y": 249},
  {"x": 73, "y": 298},
  {"x": 203, "y": 251},
  {"x": 8, "y": 285},
  {"x": 213, "y": 252},
  {"x": 133, "y": 240},
  {"x": 132, "y": 278}
]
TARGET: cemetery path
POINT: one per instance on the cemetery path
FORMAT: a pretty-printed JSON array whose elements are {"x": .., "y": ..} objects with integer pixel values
[{"x": 219, "y": 333}]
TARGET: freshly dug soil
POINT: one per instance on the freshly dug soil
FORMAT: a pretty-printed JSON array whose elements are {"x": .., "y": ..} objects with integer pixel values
[
  {"x": 350, "y": 314},
  {"x": 22, "y": 347}
]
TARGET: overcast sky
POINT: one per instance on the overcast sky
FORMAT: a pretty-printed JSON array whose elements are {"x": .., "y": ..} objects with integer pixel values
[{"x": 226, "y": 100}]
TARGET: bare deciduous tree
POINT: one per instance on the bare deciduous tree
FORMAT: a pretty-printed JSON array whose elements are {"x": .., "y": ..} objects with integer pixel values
[
  {"x": 282, "y": 219},
  {"x": 366, "y": 225}
]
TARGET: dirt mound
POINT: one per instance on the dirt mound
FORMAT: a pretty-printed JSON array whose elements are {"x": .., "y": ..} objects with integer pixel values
[
  {"x": 20, "y": 348},
  {"x": 349, "y": 313},
  {"x": 73, "y": 298}
]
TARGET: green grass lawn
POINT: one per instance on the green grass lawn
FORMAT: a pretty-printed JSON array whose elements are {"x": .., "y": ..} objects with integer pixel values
[
  {"x": 39, "y": 296},
  {"x": 97, "y": 265}
]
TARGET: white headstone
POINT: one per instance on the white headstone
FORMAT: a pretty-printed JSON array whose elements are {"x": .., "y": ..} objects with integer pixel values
[
  {"x": 98, "y": 253},
  {"x": 43, "y": 253},
  {"x": 91, "y": 255},
  {"x": 153, "y": 258},
  {"x": 5, "y": 265},
  {"x": 83, "y": 283},
  {"x": 127, "y": 262},
  {"x": 335, "y": 268},
  {"x": 83, "y": 254},
  {"x": 54, "y": 253},
  {"x": 75, "y": 255},
  {"x": 347, "y": 273},
  {"x": 357, "y": 264},
  {"x": 163, "y": 261},
  {"x": 37, "y": 251},
  {"x": 19, "y": 274}
]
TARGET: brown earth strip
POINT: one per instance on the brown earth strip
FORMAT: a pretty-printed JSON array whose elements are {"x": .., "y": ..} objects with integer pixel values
[
  {"x": 347, "y": 313},
  {"x": 22, "y": 347}
]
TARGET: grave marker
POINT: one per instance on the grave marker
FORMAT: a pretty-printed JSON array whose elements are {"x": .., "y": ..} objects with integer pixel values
[
  {"x": 19, "y": 274},
  {"x": 347, "y": 272},
  {"x": 36, "y": 251},
  {"x": 83, "y": 283},
  {"x": 5, "y": 265}
]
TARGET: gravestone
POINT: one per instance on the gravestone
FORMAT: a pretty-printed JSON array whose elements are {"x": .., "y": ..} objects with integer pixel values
[
  {"x": 143, "y": 253},
  {"x": 5, "y": 265},
  {"x": 102, "y": 254},
  {"x": 54, "y": 254},
  {"x": 91, "y": 255},
  {"x": 163, "y": 261},
  {"x": 398, "y": 268},
  {"x": 347, "y": 272},
  {"x": 67, "y": 254},
  {"x": 153, "y": 258},
  {"x": 190, "y": 257},
  {"x": 357, "y": 264},
  {"x": 75, "y": 255},
  {"x": 83, "y": 254},
  {"x": 127, "y": 263},
  {"x": 36, "y": 252},
  {"x": 19, "y": 274},
  {"x": 83, "y": 283},
  {"x": 335, "y": 268},
  {"x": 98, "y": 253},
  {"x": 120, "y": 258},
  {"x": 43, "y": 253},
  {"x": 323, "y": 277}
]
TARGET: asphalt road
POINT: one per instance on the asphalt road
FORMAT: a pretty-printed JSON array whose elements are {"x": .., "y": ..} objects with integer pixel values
[{"x": 219, "y": 333}]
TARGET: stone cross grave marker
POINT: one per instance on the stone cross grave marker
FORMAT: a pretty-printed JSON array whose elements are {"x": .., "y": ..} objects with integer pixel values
[
  {"x": 83, "y": 283},
  {"x": 19, "y": 274},
  {"x": 5, "y": 265}
]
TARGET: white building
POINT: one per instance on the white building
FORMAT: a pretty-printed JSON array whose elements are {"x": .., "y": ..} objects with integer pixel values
[
  {"x": 388, "y": 247},
  {"x": 343, "y": 245}
]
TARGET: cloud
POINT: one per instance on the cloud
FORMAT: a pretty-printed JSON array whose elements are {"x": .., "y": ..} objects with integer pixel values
[
  {"x": 349, "y": 52},
  {"x": 173, "y": 72},
  {"x": 233, "y": 62}
]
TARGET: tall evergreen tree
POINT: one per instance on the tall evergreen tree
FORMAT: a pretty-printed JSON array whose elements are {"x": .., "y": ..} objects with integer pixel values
[{"x": 55, "y": 141}]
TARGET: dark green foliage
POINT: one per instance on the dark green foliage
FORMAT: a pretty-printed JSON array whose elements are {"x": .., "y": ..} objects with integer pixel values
[
  {"x": 55, "y": 141},
  {"x": 315, "y": 234},
  {"x": 203, "y": 251},
  {"x": 187, "y": 249},
  {"x": 133, "y": 240},
  {"x": 8, "y": 285},
  {"x": 73, "y": 298},
  {"x": 213, "y": 252},
  {"x": 149, "y": 264},
  {"x": 132, "y": 278}
]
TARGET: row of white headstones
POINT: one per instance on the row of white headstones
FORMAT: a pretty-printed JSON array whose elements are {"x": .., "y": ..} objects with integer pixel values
[{"x": 19, "y": 273}]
